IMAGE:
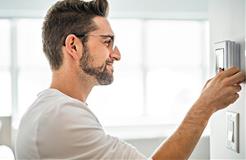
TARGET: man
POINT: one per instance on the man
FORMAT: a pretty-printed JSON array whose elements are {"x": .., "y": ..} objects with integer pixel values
[{"x": 79, "y": 44}]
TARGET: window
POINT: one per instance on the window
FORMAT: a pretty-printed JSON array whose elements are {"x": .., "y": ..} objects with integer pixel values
[
  {"x": 124, "y": 98},
  {"x": 175, "y": 72},
  {"x": 34, "y": 73},
  {"x": 5, "y": 85},
  {"x": 161, "y": 73}
]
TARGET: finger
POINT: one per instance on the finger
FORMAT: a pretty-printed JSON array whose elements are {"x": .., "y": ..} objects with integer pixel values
[
  {"x": 229, "y": 91},
  {"x": 229, "y": 72},
  {"x": 239, "y": 88},
  {"x": 236, "y": 78},
  {"x": 235, "y": 89},
  {"x": 229, "y": 100},
  {"x": 233, "y": 97}
]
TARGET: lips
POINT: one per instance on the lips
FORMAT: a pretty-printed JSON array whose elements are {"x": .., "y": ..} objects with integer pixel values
[
  {"x": 110, "y": 66},
  {"x": 109, "y": 62}
]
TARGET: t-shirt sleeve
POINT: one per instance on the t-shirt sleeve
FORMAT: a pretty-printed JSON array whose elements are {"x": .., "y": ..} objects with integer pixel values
[{"x": 72, "y": 132}]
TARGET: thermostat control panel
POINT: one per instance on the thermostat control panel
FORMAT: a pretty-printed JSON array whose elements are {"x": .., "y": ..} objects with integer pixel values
[{"x": 227, "y": 54}]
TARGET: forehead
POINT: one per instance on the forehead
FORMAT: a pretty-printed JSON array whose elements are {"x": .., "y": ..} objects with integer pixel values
[{"x": 103, "y": 26}]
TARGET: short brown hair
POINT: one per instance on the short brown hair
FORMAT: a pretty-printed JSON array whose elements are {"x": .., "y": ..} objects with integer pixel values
[{"x": 67, "y": 17}]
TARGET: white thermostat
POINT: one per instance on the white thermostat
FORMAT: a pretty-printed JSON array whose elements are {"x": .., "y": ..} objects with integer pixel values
[{"x": 227, "y": 54}]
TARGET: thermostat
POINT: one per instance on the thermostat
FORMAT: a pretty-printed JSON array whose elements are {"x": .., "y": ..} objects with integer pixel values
[{"x": 227, "y": 54}]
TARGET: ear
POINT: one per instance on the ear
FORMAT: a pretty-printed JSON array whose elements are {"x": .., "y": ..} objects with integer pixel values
[{"x": 73, "y": 46}]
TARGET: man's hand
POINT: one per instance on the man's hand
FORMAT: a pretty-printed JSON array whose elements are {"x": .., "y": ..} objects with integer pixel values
[
  {"x": 218, "y": 93},
  {"x": 222, "y": 90}
]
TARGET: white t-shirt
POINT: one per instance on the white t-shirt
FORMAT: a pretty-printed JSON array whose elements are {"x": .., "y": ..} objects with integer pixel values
[{"x": 57, "y": 126}]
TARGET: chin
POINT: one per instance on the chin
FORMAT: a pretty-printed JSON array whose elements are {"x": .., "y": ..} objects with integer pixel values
[
  {"x": 106, "y": 81},
  {"x": 106, "y": 77}
]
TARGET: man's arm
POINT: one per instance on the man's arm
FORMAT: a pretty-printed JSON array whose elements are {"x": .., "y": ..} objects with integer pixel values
[{"x": 217, "y": 94}]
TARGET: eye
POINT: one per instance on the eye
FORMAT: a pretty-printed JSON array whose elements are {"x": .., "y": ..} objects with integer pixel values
[{"x": 108, "y": 42}]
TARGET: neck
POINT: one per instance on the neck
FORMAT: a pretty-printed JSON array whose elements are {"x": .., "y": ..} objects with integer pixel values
[{"x": 71, "y": 84}]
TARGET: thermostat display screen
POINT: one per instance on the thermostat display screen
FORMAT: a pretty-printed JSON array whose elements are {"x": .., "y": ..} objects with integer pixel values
[{"x": 219, "y": 58}]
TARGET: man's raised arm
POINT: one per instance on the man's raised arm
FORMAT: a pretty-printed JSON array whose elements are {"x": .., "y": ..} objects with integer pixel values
[{"x": 217, "y": 94}]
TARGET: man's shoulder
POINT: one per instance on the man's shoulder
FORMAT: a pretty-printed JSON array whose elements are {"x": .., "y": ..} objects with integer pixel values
[
  {"x": 51, "y": 100},
  {"x": 55, "y": 107}
]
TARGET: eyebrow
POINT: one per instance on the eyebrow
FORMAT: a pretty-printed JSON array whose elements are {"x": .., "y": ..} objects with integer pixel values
[{"x": 107, "y": 36}]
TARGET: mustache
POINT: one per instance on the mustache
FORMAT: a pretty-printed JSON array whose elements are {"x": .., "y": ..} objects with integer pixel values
[{"x": 109, "y": 61}]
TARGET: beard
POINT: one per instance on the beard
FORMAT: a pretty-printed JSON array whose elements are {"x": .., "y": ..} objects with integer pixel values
[{"x": 102, "y": 75}]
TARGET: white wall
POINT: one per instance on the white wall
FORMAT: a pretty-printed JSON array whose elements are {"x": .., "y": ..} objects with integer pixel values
[{"x": 227, "y": 22}]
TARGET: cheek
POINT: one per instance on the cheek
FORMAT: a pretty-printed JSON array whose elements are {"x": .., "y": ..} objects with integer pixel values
[
  {"x": 98, "y": 57},
  {"x": 98, "y": 54}
]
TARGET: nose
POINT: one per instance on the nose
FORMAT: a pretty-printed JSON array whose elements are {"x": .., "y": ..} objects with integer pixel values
[{"x": 115, "y": 54}]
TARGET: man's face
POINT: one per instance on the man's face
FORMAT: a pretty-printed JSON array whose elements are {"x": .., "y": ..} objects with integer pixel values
[
  {"x": 102, "y": 74},
  {"x": 99, "y": 53}
]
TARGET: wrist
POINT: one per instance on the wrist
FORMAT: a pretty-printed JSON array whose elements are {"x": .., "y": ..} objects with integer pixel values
[{"x": 204, "y": 106}]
